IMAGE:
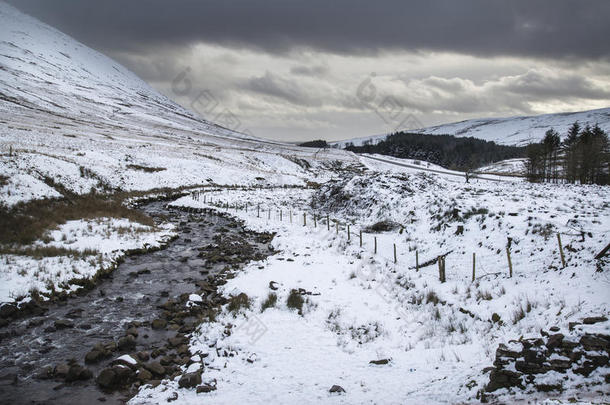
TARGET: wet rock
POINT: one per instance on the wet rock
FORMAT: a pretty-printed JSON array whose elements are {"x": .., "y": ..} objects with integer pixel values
[
  {"x": 7, "y": 310},
  {"x": 495, "y": 318},
  {"x": 61, "y": 370},
  {"x": 94, "y": 356},
  {"x": 190, "y": 380},
  {"x": 158, "y": 324},
  {"x": 554, "y": 329},
  {"x": 166, "y": 360},
  {"x": 143, "y": 375},
  {"x": 132, "y": 331},
  {"x": 127, "y": 343},
  {"x": 156, "y": 368},
  {"x": 336, "y": 389},
  {"x": 45, "y": 373},
  {"x": 143, "y": 356},
  {"x": 176, "y": 340},
  {"x": 63, "y": 324},
  {"x": 183, "y": 350},
  {"x": 78, "y": 372}
]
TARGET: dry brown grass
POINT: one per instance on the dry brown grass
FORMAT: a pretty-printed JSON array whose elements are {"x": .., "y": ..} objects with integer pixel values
[
  {"x": 27, "y": 222},
  {"x": 38, "y": 252}
]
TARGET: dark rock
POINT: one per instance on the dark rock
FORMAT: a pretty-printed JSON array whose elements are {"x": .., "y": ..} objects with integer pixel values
[
  {"x": 273, "y": 285},
  {"x": 572, "y": 325},
  {"x": 586, "y": 368},
  {"x": 45, "y": 373},
  {"x": 61, "y": 370},
  {"x": 206, "y": 388},
  {"x": 549, "y": 387},
  {"x": 78, "y": 372},
  {"x": 127, "y": 343},
  {"x": 598, "y": 359},
  {"x": 560, "y": 365},
  {"x": 554, "y": 329},
  {"x": 63, "y": 324},
  {"x": 155, "y": 367},
  {"x": 495, "y": 318},
  {"x": 143, "y": 375},
  {"x": 190, "y": 380},
  {"x": 143, "y": 356},
  {"x": 529, "y": 367},
  {"x": 554, "y": 341},
  {"x": 176, "y": 341},
  {"x": 379, "y": 362},
  {"x": 336, "y": 389},
  {"x": 106, "y": 378},
  {"x": 593, "y": 343},
  {"x": 93, "y": 356},
  {"x": 166, "y": 361},
  {"x": 158, "y": 324},
  {"x": 503, "y": 379},
  {"x": 594, "y": 319},
  {"x": 7, "y": 310},
  {"x": 132, "y": 331}
]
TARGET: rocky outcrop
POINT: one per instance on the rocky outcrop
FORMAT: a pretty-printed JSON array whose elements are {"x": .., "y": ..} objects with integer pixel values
[{"x": 533, "y": 362}]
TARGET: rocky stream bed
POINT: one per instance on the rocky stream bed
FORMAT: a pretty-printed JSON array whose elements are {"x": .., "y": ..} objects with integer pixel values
[{"x": 132, "y": 327}]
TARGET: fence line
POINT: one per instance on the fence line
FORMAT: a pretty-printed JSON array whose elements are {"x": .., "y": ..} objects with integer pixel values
[{"x": 440, "y": 260}]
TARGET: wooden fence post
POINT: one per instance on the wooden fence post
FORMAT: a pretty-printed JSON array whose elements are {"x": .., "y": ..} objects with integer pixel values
[
  {"x": 441, "y": 269},
  {"x": 361, "y": 238},
  {"x": 269, "y": 214},
  {"x": 510, "y": 263},
  {"x": 315, "y": 221},
  {"x": 563, "y": 259},
  {"x": 375, "y": 244},
  {"x": 281, "y": 216},
  {"x": 258, "y": 211},
  {"x": 416, "y": 260},
  {"x": 304, "y": 219},
  {"x": 337, "y": 227},
  {"x": 290, "y": 216},
  {"x": 474, "y": 261},
  {"x": 349, "y": 235},
  {"x": 395, "y": 253},
  {"x": 327, "y": 222}
]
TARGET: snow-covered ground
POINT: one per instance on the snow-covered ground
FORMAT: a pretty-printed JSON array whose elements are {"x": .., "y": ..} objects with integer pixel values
[
  {"x": 364, "y": 307},
  {"x": 72, "y": 120},
  {"x": 89, "y": 246}
]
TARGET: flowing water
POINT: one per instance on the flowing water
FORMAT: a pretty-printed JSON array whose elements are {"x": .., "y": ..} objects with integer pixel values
[{"x": 133, "y": 292}]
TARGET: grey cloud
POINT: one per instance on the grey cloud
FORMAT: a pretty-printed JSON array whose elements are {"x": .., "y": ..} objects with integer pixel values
[
  {"x": 543, "y": 28},
  {"x": 302, "y": 70},
  {"x": 272, "y": 85}
]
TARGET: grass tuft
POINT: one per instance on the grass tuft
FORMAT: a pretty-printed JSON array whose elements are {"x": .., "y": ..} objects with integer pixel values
[
  {"x": 295, "y": 301},
  {"x": 269, "y": 302}
]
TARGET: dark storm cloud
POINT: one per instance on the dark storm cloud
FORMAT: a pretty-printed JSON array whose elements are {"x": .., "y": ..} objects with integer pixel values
[{"x": 544, "y": 28}]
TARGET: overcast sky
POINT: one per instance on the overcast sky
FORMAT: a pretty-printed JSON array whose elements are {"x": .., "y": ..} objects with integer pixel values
[{"x": 346, "y": 68}]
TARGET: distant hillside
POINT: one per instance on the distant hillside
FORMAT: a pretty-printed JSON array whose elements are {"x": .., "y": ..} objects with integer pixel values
[{"x": 506, "y": 131}]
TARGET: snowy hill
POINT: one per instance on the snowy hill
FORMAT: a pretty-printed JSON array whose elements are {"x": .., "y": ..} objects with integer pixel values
[
  {"x": 507, "y": 131},
  {"x": 77, "y": 117}
]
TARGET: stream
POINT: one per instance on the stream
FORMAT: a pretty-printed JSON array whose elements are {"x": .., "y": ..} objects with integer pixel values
[{"x": 42, "y": 358}]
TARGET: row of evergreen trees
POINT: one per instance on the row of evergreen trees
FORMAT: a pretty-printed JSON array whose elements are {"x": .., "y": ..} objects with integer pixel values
[
  {"x": 457, "y": 153},
  {"x": 583, "y": 157}
]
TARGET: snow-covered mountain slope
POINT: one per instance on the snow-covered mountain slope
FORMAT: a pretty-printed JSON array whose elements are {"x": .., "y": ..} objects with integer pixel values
[
  {"x": 75, "y": 116},
  {"x": 506, "y": 131}
]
